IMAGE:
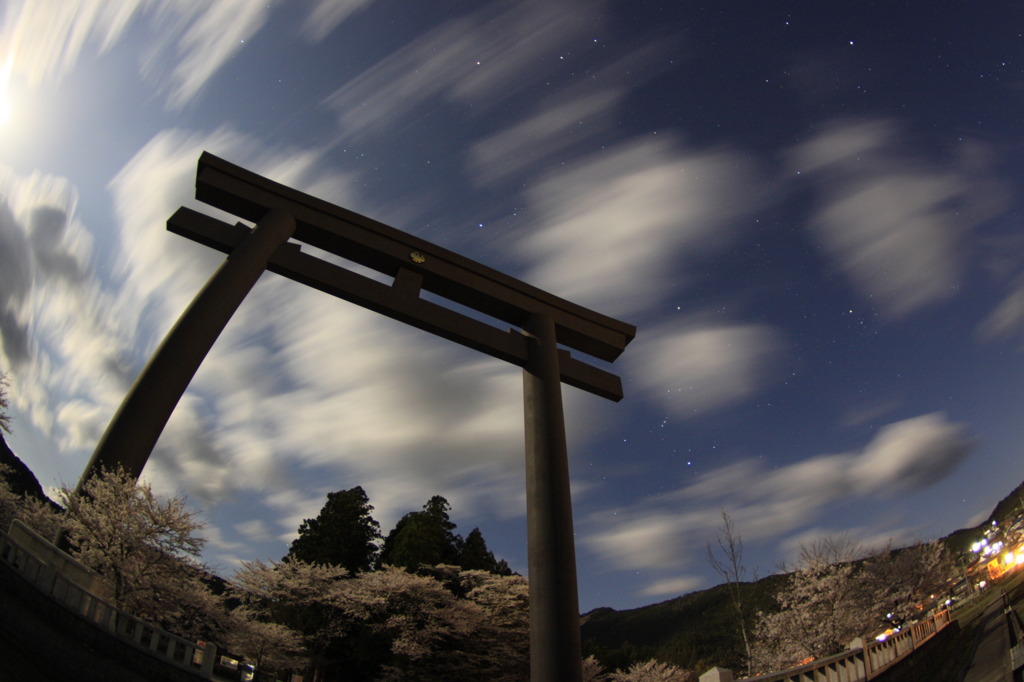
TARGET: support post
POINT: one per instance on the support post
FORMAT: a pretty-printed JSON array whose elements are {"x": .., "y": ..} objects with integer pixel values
[
  {"x": 133, "y": 432},
  {"x": 555, "y": 651}
]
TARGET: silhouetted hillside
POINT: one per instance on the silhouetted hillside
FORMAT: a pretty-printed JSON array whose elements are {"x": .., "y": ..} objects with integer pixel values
[
  {"x": 21, "y": 479},
  {"x": 1006, "y": 511},
  {"x": 699, "y": 630},
  {"x": 696, "y": 631}
]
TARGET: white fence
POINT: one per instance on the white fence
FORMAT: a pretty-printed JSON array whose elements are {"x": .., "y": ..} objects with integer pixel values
[
  {"x": 861, "y": 662},
  {"x": 60, "y": 577}
]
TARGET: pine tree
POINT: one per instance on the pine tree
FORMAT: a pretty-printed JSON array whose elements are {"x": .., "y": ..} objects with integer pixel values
[
  {"x": 476, "y": 557},
  {"x": 421, "y": 538},
  {"x": 343, "y": 534}
]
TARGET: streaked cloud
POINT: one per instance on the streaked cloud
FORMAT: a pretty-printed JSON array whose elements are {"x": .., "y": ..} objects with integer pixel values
[
  {"x": 891, "y": 221},
  {"x": 560, "y": 127},
  {"x": 693, "y": 368},
  {"x": 1007, "y": 318},
  {"x": 673, "y": 586},
  {"x": 59, "y": 343},
  {"x": 659, "y": 533},
  {"x": 483, "y": 58},
  {"x": 557, "y": 127},
  {"x": 327, "y": 15},
  {"x": 44, "y": 40},
  {"x": 615, "y": 226},
  {"x": 911, "y": 455},
  {"x": 213, "y": 32}
]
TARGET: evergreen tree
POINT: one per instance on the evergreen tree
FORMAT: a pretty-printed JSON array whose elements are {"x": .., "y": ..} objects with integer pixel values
[
  {"x": 425, "y": 537},
  {"x": 344, "y": 534},
  {"x": 476, "y": 557}
]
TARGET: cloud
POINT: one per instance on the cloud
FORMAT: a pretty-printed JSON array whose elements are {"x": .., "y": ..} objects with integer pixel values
[
  {"x": 911, "y": 455},
  {"x": 1007, "y": 319},
  {"x": 661, "y": 532},
  {"x": 472, "y": 59},
  {"x": 327, "y": 15},
  {"x": 680, "y": 585},
  {"x": 693, "y": 367},
  {"x": 256, "y": 530},
  {"x": 892, "y": 222},
  {"x": 46, "y": 39},
  {"x": 215, "y": 31},
  {"x": 165, "y": 270},
  {"x": 57, "y": 343},
  {"x": 565, "y": 123},
  {"x": 615, "y": 224},
  {"x": 558, "y": 126}
]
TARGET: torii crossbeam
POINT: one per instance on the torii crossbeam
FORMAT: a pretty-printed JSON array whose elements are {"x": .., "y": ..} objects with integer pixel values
[{"x": 544, "y": 323}]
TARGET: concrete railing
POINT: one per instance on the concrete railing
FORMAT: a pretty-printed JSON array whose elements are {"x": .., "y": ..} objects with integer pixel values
[
  {"x": 861, "y": 662},
  {"x": 66, "y": 581},
  {"x": 1016, "y": 631}
]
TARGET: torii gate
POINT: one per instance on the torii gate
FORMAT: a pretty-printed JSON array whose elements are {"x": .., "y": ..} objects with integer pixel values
[{"x": 281, "y": 213}]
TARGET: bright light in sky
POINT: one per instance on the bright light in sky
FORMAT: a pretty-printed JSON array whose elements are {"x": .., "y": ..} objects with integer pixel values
[
  {"x": 820, "y": 247},
  {"x": 5, "y": 93}
]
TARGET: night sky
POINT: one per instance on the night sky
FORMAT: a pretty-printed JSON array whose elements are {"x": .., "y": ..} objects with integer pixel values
[{"x": 810, "y": 210}]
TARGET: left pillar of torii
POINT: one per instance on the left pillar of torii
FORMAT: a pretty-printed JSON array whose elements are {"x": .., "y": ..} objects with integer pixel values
[{"x": 133, "y": 432}]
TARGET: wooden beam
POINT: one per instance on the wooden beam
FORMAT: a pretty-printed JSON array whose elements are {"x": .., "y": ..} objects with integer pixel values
[
  {"x": 399, "y": 301},
  {"x": 388, "y": 250}
]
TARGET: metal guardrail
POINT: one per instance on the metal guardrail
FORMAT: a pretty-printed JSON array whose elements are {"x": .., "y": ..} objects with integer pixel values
[{"x": 50, "y": 580}]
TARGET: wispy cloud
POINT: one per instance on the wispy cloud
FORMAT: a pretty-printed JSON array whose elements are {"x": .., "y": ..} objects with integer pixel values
[
  {"x": 673, "y": 586},
  {"x": 559, "y": 125},
  {"x": 694, "y": 367},
  {"x": 44, "y": 40},
  {"x": 1007, "y": 319},
  {"x": 61, "y": 346},
  {"x": 613, "y": 225},
  {"x": 214, "y": 33},
  {"x": 660, "y": 533},
  {"x": 327, "y": 15},
  {"x": 892, "y": 222},
  {"x": 564, "y": 124},
  {"x": 481, "y": 59}
]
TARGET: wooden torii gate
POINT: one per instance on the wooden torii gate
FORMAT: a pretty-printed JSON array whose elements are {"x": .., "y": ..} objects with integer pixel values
[{"x": 544, "y": 323}]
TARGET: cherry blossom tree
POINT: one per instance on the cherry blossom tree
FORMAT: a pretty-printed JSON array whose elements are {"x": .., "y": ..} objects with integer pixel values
[
  {"x": 593, "y": 671},
  {"x": 306, "y": 598},
  {"x": 837, "y": 594},
  {"x": 901, "y": 580},
  {"x": 5, "y": 418},
  {"x": 653, "y": 671},
  {"x": 264, "y": 643},
  {"x": 820, "y": 611},
  {"x": 146, "y": 548},
  {"x": 428, "y": 628}
]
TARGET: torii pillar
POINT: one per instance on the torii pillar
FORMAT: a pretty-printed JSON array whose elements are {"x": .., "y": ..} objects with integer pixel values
[{"x": 133, "y": 432}]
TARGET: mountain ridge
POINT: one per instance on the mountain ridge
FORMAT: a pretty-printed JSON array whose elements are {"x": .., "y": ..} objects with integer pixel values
[{"x": 697, "y": 630}]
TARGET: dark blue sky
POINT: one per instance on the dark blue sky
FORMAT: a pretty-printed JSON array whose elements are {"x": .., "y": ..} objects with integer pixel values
[{"x": 810, "y": 210}]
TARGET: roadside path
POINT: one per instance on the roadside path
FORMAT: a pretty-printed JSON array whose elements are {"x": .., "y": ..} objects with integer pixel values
[{"x": 991, "y": 662}]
